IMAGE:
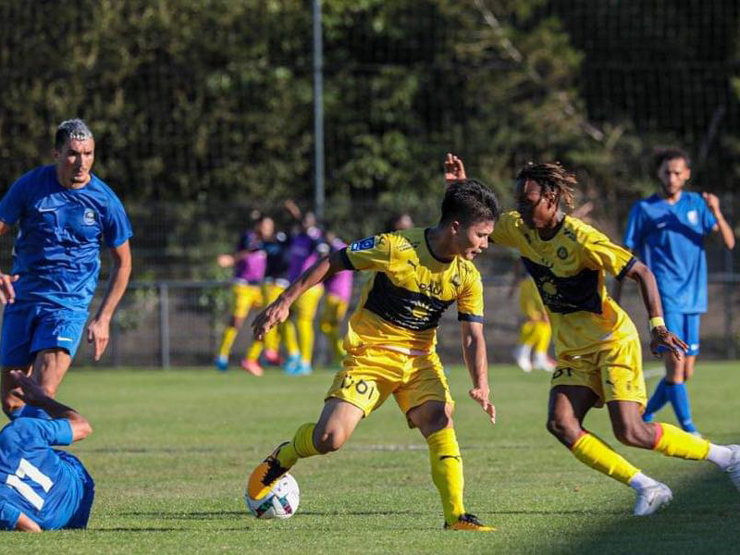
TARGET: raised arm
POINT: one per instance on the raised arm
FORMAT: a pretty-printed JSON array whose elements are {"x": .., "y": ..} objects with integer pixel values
[
  {"x": 660, "y": 336},
  {"x": 33, "y": 394},
  {"x": 724, "y": 229},
  {"x": 278, "y": 311},
  {"x": 476, "y": 359},
  {"x": 98, "y": 332}
]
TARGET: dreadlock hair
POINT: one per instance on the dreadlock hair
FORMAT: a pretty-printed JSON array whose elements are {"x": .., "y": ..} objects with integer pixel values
[
  {"x": 551, "y": 177},
  {"x": 665, "y": 154},
  {"x": 469, "y": 201}
]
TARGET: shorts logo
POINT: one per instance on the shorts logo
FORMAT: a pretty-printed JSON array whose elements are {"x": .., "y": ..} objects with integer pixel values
[
  {"x": 693, "y": 217},
  {"x": 363, "y": 244},
  {"x": 89, "y": 216}
]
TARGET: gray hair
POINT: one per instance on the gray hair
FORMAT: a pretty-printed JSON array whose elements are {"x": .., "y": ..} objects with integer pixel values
[{"x": 71, "y": 129}]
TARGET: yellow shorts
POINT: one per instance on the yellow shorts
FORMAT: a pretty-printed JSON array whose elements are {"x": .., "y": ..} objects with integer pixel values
[
  {"x": 245, "y": 297},
  {"x": 369, "y": 375},
  {"x": 614, "y": 374},
  {"x": 271, "y": 291}
]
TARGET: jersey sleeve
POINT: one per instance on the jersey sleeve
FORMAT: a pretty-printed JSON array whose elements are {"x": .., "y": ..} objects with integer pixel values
[
  {"x": 601, "y": 253},
  {"x": 47, "y": 432},
  {"x": 470, "y": 301},
  {"x": 504, "y": 230},
  {"x": 372, "y": 253},
  {"x": 9, "y": 515},
  {"x": 634, "y": 230},
  {"x": 708, "y": 221},
  {"x": 11, "y": 206},
  {"x": 117, "y": 227}
]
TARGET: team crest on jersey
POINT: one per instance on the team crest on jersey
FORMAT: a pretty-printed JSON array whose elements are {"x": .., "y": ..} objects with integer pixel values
[
  {"x": 562, "y": 253},
  {"x": 363, "y": 244},
  {"x": 693, "y": 217},
  {"x": 89, "y": 216}
]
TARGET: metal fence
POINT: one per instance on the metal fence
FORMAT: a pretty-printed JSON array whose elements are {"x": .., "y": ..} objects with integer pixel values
[{"x": 179, "y": 323}]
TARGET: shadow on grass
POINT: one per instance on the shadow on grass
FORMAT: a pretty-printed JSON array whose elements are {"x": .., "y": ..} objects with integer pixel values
[
  {"x": 200, "y": 515},
  {"x": 704, "y": 517},
  {"x": 151, "y": 530}
]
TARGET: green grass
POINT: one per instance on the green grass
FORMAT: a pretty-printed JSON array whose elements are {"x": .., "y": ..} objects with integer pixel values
[{"x": 171, "y": 451}]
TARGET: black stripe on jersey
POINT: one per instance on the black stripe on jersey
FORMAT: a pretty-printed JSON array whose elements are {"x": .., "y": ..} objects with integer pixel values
[
  {"x": 346, "y": 260},
  {"x": 463, "y": 317},
  {"x": 404, "y": 308},
  {"x": 627, "y": 268},
  {"x": 571, "y": 294}
]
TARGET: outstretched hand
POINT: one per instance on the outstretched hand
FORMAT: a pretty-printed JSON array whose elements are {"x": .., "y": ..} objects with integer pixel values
[
  {"x": 711, "y": 200},
  {"x": 276, "y": 313},
  {"x": 454, "y": 169},
  {"x": 661, "y": 337},
  {"x": 480, "y": 396}
]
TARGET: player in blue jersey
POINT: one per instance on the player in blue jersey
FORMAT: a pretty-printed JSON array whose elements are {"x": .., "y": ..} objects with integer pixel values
[
  {"x": 65, "y": 214},
  {"x": 667, "y": 232},
  {"x": 42, "y": 488}
]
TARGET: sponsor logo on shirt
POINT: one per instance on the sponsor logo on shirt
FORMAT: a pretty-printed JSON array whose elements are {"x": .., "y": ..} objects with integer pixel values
[
  {"x": 693, "y": 217},
  {"x": 363, "y": 244}
]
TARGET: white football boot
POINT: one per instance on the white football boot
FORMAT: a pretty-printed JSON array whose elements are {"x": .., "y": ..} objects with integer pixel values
[{"x": 652, "y": 498}]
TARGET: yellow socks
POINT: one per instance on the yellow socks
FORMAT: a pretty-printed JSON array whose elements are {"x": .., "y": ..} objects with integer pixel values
[
  {"x": 301, "y": 447},
  {"x": 447, "y": 472},
  {"x": 253, "y": 353},
  {"x": 674, "y": 442},
  {"x": 227, "y": 341},
  {"x": 592, "y": 451}
]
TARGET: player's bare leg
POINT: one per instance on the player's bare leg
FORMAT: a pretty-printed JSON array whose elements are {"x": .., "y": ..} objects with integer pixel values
[
  {"x": 569, "y": 406},
  {"x": 335, "y": 426},
  {"x": 434, "y": 420},
  {"x": 49, "y": 369}
]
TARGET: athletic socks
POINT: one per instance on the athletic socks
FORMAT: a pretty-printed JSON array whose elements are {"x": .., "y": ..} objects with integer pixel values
[
  {"x": 447, "y": 472},
  {"x": 301, "y": 447},
  {"x": 679, "y": 398},
  {"x": 227, "y": 341},
  {"x": 656, "y": 402},
  {"x": 720, "y": 455},
  {"x": 674, "y": 442},
  {"x": 592, "y": 451}
]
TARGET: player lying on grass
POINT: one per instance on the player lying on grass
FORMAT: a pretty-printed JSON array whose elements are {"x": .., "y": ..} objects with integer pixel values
[
  {"x": 599, "y": 358},
  {"x": 390, "y": 343},
  {"x": 43, "y": 488}
]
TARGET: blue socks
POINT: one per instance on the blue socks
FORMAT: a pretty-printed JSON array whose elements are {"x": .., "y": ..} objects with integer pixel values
[
  {"x": 656, "y": 402},
  {"x": 678, "y": 396}
]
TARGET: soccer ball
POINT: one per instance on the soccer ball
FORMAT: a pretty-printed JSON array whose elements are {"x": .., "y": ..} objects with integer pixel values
[{"x": 280, "y": 502}]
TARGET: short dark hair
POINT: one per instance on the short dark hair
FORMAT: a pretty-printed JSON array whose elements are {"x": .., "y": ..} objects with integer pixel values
[
  {"x": 665, "y": 154},
  {"x": 75, "y": 129},
  {"x": 469, "y": 201}
]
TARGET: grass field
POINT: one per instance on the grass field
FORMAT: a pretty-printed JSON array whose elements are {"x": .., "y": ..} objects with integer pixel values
[{"x": 171, "y": 451}]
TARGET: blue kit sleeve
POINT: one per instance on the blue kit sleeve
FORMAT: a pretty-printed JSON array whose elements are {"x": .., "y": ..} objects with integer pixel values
[
  {"x": 117, "y": 227},
  {"x": 633, "y": 232},
  {"x": 12, "y": 203},
  {"x": 9, "y": 515}
]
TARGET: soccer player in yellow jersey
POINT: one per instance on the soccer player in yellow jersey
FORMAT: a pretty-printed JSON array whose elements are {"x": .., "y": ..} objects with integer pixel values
[
  {"x": 598, "y": 350},
  {"x": 390, "y": 343},
  {"x": 535, "y": 333}
]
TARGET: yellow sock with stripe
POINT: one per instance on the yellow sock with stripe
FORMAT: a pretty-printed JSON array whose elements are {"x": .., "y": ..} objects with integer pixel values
[
  {"x": 301, "y": 447},
  {"x": 447, "y": 472},
  {"x": 228, "y": 341},
  {"x": 288, "y": 333},
  {"x": 674, "y": 442},
  {"x": 592, "y": 451}
]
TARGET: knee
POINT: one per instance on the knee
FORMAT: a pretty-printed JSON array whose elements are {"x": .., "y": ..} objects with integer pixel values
[
  {"x": 565, "y": 431},
  {"x": 328, "y": 441}
]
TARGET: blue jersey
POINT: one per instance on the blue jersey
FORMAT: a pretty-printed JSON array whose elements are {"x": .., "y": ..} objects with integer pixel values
[
  {"x": 57, "y": 250},
  {"x": 36, "y": 480},
  {"x": 669, "y": 238}
]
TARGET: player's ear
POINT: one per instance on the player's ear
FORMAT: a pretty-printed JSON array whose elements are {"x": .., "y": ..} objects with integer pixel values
[{"x": 455, "y": 227}]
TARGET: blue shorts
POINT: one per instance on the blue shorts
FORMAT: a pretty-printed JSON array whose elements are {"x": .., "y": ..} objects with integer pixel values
[
  {"x": 82, "y": 514},
  {"x": 686, "y": 327},
  {"x": 31, "y": 327}
]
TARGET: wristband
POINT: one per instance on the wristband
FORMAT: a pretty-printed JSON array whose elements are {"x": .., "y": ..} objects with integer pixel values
[{"x": 655, "y": 322}]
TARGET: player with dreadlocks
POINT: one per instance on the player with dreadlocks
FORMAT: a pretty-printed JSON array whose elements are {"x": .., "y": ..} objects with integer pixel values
[{"x": 599, "y": 359}]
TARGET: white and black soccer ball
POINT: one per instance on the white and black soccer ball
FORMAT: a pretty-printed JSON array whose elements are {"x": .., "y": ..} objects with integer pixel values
[{"x": 281, "y": 502}]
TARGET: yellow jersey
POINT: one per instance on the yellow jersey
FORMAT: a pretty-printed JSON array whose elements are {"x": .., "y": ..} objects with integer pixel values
[
  {"x": 530, "y": 301},
  {"x": 408, "y": 291},
  {"x": 569, "y": 270}
]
